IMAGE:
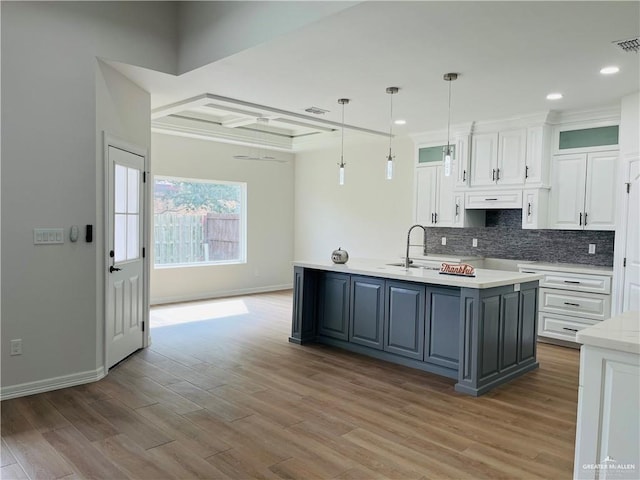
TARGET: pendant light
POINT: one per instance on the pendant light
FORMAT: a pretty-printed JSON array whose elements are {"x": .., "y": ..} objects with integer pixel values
[
  {"x": 448, "y": 77},
  {"x": 391, "y": 91},
  {"x": 343, "y": 102}
]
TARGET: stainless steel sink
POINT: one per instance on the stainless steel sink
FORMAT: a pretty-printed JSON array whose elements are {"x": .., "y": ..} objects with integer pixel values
[{"x": 423, "y": 267}]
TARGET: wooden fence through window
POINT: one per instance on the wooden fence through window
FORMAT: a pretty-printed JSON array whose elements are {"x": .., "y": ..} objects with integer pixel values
[{"x": 183, "y": 239}]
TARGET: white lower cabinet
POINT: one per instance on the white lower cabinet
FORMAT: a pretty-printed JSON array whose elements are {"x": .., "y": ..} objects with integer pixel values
[
  {"x": 608, "y": 421},
  {"x": 570, "y": 301}
]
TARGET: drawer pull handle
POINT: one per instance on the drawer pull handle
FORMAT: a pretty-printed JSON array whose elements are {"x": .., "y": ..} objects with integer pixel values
[
  {"x": 464, "y": 175},
  {"x": 493, "y": 175},
  {"x": 529, "y": 209},
  {"x": 569, "y": 329},
  {"x": 572, "y": 281},
  {"x": 490, "y": 199},
  {"x": 572, "y": 304}
]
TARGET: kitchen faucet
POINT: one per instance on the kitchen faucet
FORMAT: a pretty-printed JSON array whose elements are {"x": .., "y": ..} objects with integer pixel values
[{"x": 407, "y": 261}]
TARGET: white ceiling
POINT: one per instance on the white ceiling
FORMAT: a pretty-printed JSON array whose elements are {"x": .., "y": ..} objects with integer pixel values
[{"x": 509, "y": 56}]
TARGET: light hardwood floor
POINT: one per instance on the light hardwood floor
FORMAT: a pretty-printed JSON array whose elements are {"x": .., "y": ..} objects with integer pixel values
[{"x": 231, "y": 398}]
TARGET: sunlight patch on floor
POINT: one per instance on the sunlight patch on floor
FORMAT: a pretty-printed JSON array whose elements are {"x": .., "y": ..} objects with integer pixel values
[{"x": 164, "y": 316}]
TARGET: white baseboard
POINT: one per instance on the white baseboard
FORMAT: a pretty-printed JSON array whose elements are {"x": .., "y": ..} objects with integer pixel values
[
  {"x": 219, "y": 294},
  {"x": 48, "y": 384}
]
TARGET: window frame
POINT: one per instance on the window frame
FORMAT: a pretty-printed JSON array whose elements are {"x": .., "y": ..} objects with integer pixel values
[{"x": 243, "y": 234}]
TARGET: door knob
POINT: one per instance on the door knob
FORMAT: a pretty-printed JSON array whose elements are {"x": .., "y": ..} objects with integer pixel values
[{"x": 114, "y": 269}]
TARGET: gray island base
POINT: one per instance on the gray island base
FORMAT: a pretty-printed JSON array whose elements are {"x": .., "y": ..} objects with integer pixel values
[{"x": 480, "y": 331}]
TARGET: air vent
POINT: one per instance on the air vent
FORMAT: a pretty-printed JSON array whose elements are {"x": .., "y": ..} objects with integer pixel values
[
  {"x": 629, "y": 45},
  {"x": 316, "y": 110}
]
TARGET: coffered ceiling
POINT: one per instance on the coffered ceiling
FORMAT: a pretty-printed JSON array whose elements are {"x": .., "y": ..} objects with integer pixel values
[{"x": 509, "y": 56}]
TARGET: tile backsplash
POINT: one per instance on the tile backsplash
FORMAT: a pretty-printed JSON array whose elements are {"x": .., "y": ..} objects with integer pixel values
[{"x": 503, "y": 237}]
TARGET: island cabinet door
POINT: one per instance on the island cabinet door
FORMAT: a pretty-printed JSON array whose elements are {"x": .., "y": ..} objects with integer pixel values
[
  {"x": 404, "y": 319},
  {"x": 499, "y": 335},
  {"x": 442, "y": 331},
  {"x": 333, "y": 306},
  {"x": 367, "y": 311}
]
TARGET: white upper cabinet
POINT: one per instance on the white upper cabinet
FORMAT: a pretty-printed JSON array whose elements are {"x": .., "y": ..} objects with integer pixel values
[
  {"x": 536, "y": 170},
  {"x": 498, "y": 158},
  {"x": 512, "y": 152},
  {"x": 426, "y": 194},
  {"x": 600, "y": 196},
  {"x": 534, "y": 208},
  {"x": 461, "y": 164},
  {"x": 582, "y": 191},
  {"x": 484, "y": 159},
  {"x": 437, "y": 205}
]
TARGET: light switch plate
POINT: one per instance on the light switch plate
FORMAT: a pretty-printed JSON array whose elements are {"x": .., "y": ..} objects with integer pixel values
[
  {"x": 592, "y": 248},
  {"x": 474, "y": 242},
  {"x": 444, "y": 240},
  {"x": 48, "y": 236}
]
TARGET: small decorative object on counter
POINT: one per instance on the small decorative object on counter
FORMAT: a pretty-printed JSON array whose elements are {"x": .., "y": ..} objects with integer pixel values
[
  {"x": 339, "y": 256},
  {"x": 461, "y": 269}
]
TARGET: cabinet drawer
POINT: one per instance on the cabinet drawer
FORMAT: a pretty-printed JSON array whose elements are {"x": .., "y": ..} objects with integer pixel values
[
  {"x": 577, "y": 304},
  {"x": 561, "y": 327},
  {"x": 577, "y": 282},
  {"x": 500, "y": 199}
]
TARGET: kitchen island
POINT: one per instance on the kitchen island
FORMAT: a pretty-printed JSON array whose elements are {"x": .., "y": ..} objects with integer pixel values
[{"x": 478, "y": 330}]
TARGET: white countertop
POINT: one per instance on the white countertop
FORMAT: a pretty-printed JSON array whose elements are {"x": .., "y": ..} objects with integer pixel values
[
  {"x": 380, "y": 268},
  {"x": 567, "y": 267},
  {"x": 621, "y": 333}
]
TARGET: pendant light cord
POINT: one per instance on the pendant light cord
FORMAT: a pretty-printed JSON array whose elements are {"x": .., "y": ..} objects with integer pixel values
[
  {"x": 449, "y": 122},
  {"x": 342, "y": 144},
  {"x": 390, "y": 122}
]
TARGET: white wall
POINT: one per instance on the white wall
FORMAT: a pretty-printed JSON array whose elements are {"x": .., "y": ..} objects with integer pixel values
[
  {"x": 210, "y": 31},
  {"x": 269, "y": 219},
  {"x": 56, "y": 98},
  {"x": 369, "y": 215}
]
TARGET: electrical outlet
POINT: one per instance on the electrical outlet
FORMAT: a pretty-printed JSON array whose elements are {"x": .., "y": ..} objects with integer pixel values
[
  {"x": 592, "y": 248},
  {"x": 444, "y": 240},
  {"x": 474, "y": 242},
  {"x": 16, "y": 346}
]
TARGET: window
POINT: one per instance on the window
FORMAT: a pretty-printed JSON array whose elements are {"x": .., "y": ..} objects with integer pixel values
[{"x": 199, "y": 222}]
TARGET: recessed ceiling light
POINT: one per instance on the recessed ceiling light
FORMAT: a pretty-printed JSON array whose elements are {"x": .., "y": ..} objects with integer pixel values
[
  {"x": 400, "y": 122},
  {"x": 609, "y": 70},
  {"x": 554, "y": 96}
]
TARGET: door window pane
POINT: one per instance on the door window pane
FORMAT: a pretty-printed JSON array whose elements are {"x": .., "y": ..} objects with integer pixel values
[
  {"x": 120, "y": 186},
  {"x": 120, "y": 237},
  {"x": 133, "y": 194},
  {"x": 133, "y": 235}
]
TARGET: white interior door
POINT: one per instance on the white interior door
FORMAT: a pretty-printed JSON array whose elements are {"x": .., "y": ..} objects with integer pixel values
[
  {"x": 125, "y": 299},
  {"x": 631, "y": 288}
]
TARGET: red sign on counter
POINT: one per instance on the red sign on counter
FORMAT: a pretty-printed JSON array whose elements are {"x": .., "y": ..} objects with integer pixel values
[{"x": 462, "y": 269}]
